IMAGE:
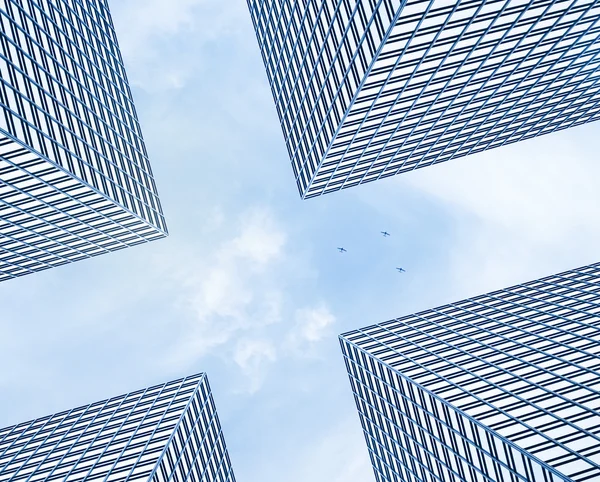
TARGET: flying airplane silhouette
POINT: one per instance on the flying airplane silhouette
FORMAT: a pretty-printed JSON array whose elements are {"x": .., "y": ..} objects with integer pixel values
[
  {"x": 385, "y": 234},
  {"x": 401, "y": 270},
  {"x": 341, "y": 250}
]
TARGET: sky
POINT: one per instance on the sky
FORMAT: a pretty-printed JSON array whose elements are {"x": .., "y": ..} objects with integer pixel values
[{"x": 249, "y": 286}]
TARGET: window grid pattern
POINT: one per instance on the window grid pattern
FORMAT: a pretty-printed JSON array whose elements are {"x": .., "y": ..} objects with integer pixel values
[
  {"x": 500, "y": 387},
  {"x": 163, "y": 433},
  {"x": 457, "y": 77},
  {"x": 48, "y": 218},
  {"x": 68, "y": 116},
  {"x": 316, "y": 53}
]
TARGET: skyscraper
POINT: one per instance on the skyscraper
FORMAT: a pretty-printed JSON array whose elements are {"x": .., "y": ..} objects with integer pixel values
[
  {"x": 366, "y": 89},
  {"x": 75, "y": 180},
  {"x": 500, "y": 387},
  {"x": 168, "y": 432}
]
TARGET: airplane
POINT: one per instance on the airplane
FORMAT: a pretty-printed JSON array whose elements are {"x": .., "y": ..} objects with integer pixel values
[
  {"x": 401, "y": 270},
  {"x": 385, "y": 234},
  {"x": 341, "y": 250}
]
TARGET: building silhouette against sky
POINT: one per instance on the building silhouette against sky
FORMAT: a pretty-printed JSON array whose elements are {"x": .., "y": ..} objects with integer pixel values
[
  {"x": 75, "y": 180},
  {"x": 500, "y": 387},
  {"x": 372, "y": 88},
  {"x": 168, "y": 432}
]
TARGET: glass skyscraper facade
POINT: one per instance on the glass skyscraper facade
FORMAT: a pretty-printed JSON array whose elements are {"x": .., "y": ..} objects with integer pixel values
[
  {"x": 367, "y": 89},
  {"x": 500, "y": 387},
  {"x": 168, "y": 432},
  {"x": 75, "y": 180}
]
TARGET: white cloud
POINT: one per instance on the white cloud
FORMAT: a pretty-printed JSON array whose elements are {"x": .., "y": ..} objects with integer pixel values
[
  {"x": 310, "y": 327},
  {"x": 519, "y": 211},
  {"x": 259, "y": 242},
  {"x": 158, "y": 38},
  {"x": 233, "y": 292},
  {"x": 253, "y": 357}
]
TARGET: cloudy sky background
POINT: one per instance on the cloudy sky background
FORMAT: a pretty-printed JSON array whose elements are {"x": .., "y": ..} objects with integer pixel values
[{"x": 249, "y": 286}]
